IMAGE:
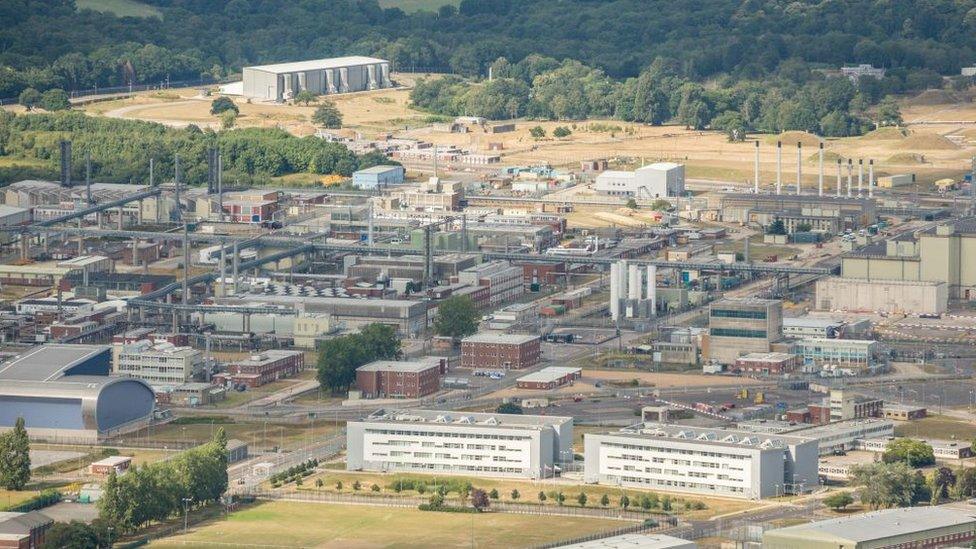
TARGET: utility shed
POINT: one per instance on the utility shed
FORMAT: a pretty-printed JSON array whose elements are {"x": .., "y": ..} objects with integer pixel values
[
  {"x": 377, "y": 177},
  {"x": 938, "y": 526}
]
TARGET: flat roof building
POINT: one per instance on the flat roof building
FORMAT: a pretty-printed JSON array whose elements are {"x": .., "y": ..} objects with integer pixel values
[
  {"x": 158, "y": 363},
  {"x": 377, "y": 177},
  {"x": 550, "y": 377},
  {"x": 741, "y": 326},
  {"x": 64, "y": 394},
  {"x": 634, "y": 541},
  {"x": 716, "y": 462},
  {"x": 658, "y": 180},
  {"x": 282, "y": 81},
  {"x": 936, "y": 526},
  {"x": 460, "y": 443}
]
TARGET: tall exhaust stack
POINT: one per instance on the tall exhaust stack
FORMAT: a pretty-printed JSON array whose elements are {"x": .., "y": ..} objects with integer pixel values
[
  {"x": 614, "y": 290},
  {"x": 176, "y": 186},
  {"x": 871, "y": 178},
  {"x": 779, "y": 167},
  {"x": 211, "y": 170},
  {"x": 820, "y": 174},
  {"x": 755, "y": 183},
  {"x": 88, "y": 195},
  {"x": 65, "y": 163},
  {"x": 838, "y": 178},
  {"x": 860, "y": 177},
  {"x": 220, "y": 186},
  {"x": 850, "y": 176},
  {"x": 799, "y": 167}
]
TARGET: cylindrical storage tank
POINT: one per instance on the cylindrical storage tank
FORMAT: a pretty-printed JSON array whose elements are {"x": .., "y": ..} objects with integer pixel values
[
  {"x": 614, "y": 290},
  {"x": 634, "y": 283},
  {"x": 652, "y": 288}
]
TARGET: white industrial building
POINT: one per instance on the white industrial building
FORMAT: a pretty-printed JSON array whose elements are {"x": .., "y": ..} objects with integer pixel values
[
  {"x": 715, "y": 462},
  {"x": 157, "y": 363},
  {"x": 283, "y": 81},
  {"x": 883, "y": 296},
  {"x": 633, "y": 290},
  {"x": 461, "y": 443},
  {"x": 846, "y": 435},
  {"x": 658, "y": 180}
]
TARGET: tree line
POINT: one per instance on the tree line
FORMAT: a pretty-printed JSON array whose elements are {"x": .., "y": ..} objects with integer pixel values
[
  {"x": 340, "y": 356},
  {"x": 796, "y": 97},
  {"x": 120, "y": 149},
  {"x": 158, "y": 491},
  {"x": 52, "y": 44}
]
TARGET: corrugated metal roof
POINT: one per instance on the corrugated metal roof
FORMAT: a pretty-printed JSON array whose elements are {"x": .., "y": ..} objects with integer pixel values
[{"x": 318, "y": 64}]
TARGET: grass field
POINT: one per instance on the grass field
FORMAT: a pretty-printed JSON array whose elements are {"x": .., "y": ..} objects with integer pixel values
[
  {"x": 410, "y": 6},
  {"x": 121, "y": 8},
  {"x": 288, "y": 524},
  {"x": 937, "y": 427},
  {"x": 528, "y": 491},
  {"x": 257, "y": 434}
]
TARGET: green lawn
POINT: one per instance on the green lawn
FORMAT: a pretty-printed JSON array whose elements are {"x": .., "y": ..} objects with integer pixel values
[
  {"x": 937, "y": 427},
  {"x": 293, "y": 524},
  {"x": 410, "y": 6},
  {"x": 121, "y": 8},
  {"x": 528, "y": 491}
]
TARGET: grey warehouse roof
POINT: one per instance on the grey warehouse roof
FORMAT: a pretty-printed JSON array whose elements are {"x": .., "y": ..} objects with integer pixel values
[
  {"x": 48, "y": 362},
  {"x": 414, "y": 366},
  {"x": 509, "y": 339},
  {"x": 474, "y": 419},
  {"x": 318, "y": 64},
  {"x": 886, "y": 523}
]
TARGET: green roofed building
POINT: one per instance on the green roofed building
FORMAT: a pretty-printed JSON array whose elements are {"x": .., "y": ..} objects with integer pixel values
[{"x": 908, "y": 527}]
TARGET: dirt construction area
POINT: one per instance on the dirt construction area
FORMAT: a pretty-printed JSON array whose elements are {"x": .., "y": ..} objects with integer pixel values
[{"x": 937, "y": 141}]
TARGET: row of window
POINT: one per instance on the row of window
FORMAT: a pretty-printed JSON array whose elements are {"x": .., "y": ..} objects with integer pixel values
[
  {"x": 679, "y": 451},
  {"x": 683, "y": 484},
  {"x": 737, "y": 313},
  {"x": 451, "y": 434},
  {"x": 737, "y": 332}
]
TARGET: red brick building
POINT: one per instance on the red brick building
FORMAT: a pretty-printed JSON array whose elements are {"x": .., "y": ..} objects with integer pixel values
[
  {"x": 771, "y": 364},
  {"x": 262, "y": 368},
  {"x": 24, "y": 530},
  {"x": 507, "y": 351},
  {"x": 406, "y": 379},
  {"x": 542, "y": 274}
]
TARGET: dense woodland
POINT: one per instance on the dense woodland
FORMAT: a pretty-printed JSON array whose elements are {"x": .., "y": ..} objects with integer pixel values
[
  {"x": 48, "y": 43},
  {"x": 795, "y": 98},
  {"x": 120, "y": 150}
]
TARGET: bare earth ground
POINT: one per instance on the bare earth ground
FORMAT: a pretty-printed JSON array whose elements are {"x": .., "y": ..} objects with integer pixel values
[{"x": 941, "y": 137}]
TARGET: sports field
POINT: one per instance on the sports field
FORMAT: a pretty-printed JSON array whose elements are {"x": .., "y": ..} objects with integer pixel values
[{"x": 292, "y": 524}]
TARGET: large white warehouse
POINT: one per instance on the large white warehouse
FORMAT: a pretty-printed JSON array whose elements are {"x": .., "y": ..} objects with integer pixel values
[
  {"x": 715, "y": 462},
  {"x": 657, "y": 180},
  {"x": 460, "y": 443},
  {"x": 322, "y": 76}
]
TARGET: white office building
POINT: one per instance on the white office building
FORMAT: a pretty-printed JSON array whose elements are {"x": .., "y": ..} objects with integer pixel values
[
  {"x": 462, "y": 443},
  {"x": 846, "y": 435},
  {"x": 714, "y": 462},
  {"x": 159, "y": 364},
  {"x": 658, "y": 180}
]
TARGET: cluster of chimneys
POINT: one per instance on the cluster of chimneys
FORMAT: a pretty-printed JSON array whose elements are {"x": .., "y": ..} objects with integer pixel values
[{"x": 820, "y": 178}]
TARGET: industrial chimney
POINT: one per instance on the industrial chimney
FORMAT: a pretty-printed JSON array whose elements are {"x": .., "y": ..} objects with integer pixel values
[{"x": 65, "y": 163}]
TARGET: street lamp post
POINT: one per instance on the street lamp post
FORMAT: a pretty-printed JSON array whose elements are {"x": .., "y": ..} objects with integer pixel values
[{"x": 186, "y": 513}]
